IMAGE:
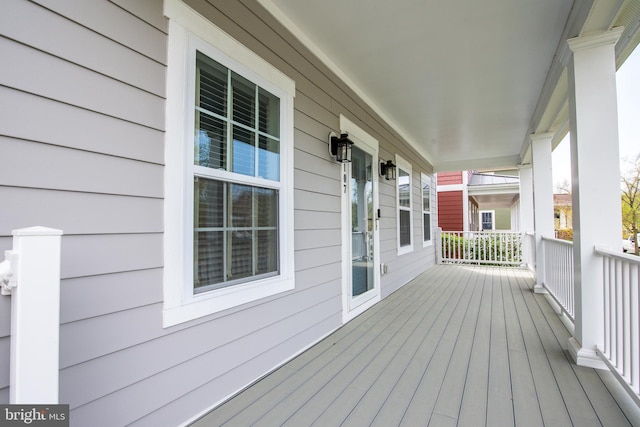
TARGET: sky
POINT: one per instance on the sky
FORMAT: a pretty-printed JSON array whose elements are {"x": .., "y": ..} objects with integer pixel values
[{"x": 628, "y": 86}]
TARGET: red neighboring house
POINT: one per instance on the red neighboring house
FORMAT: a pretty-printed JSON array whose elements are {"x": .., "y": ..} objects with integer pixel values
[
  {"x": 473, "y": 201},
  {"x": 451, "y": 201}
]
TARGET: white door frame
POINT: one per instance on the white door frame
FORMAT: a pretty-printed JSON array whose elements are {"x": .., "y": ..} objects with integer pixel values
[{"x": 351, "y": 307}]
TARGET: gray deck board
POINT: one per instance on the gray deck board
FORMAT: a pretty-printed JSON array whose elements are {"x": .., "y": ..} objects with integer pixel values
[{"x": 458, "y": 346}]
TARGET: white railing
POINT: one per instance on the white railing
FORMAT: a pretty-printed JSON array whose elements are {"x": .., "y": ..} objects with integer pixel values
[
  {"x": 558, "y": 273},
  {"x": 481, "y": 247},
  {"x": 621, "y": 353}
]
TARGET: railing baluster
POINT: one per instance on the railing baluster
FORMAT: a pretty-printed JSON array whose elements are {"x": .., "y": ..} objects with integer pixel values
[
  {"x": 634, "y": 374},
  {"x": 626, "y": 318},
  {"x": 621, "y": 299}
]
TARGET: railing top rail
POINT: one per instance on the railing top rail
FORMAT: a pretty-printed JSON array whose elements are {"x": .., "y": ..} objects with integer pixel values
[
  {"x": 558, "y": 241},
  {"x": 529, "y": 233},
  {"x": 484, "y": 232},
  {"x": 599, "y": 250}
]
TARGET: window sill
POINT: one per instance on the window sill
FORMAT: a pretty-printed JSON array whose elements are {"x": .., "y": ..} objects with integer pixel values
[{"x": 222, "y": 299}]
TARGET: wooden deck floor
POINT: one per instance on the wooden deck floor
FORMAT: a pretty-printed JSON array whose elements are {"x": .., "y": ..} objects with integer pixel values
[{"x": 458, "y": 346}]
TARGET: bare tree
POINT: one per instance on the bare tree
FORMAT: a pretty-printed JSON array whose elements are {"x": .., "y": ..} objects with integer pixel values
[
  {"x": 631, "y": 198},
  {"x": 563, "y": 187}
]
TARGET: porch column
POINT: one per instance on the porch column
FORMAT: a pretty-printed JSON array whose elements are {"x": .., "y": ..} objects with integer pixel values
[
  {"x": 595, "y": 176},
  {"x": 526, "y": 215},
  {"x": 542, "y": 199},
  {"x": 526, "y": 198}
]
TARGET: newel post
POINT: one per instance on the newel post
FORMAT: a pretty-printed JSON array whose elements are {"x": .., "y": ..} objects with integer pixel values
[
  {"x": 438, "y": 238},
  {"x": 31, "y": 275}
]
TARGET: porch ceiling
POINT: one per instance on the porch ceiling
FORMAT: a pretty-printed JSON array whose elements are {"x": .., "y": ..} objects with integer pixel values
[{"x": 465, "y": 82}]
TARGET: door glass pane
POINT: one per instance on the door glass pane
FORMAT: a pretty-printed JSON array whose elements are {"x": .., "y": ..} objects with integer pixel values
[{"x": 361, "y": 222}]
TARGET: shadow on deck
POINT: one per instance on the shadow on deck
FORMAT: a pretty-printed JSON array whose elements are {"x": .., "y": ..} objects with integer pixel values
[{"x": 457, "y": 346}]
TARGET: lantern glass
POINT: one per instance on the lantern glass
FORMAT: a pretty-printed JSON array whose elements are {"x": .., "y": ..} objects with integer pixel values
[
  {"x": 391, "y": 172},
  {"x": 344, "y": 152}
]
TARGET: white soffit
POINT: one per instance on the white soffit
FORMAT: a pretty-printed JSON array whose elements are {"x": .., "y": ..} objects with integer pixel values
[{"x": 460, "y": 80}]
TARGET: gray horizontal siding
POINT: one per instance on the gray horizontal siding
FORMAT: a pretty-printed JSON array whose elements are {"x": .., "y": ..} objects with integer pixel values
[
  {"x": 5, "y": 320},
  {"x": 147, "y": 10},
  {"x": 92, "y": 296},
  {"x": 170, "y": 405},
  {"x": 226, "y": 335},
  {"x": 79, "y": 213},
  {"x": 91, "y": 255},
  {"x": 181, "y": 377},
  {"x": 39, "y": 73},
  {"x": 44, "y": 166},
  {"x": 115, "y": 23},
  {"x": 75, "y": 127},
  {"x": 66, "y": 39},
  {"x": 4, "y": 367}
]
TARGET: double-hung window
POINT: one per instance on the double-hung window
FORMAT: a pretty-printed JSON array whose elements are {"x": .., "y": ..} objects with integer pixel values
[
  {"x": 404, "y": 200},
  {"x": 228, "y": 180},
  {"x": 236, "y": 174},
  {"x": 426, "y": 209}
]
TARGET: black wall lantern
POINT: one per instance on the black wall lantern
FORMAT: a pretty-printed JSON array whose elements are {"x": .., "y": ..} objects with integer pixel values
[
  {"x": 340, "y": 147},
  {"x": 388, "y": 170}
]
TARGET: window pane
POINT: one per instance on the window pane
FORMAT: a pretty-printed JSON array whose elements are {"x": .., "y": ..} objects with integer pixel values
[
  {"x": 208, "y": 203},
  {"x": 427, "y": 226},
  {"x": 208, "y": 258},
  {"x": 426, "y": 200},
  {"x": 210, "y": 147},
  {"x": 211, "y": 85},
  {"x": 269, "y": 158},
  {"x": 244, "y": 101},
  {"x": 241, "y": 250},
  {"x": 241, "y": 206},
  {"x": 267, "y": 241},
  {"x": 405, "y": 228},
  {"x": 268, "y": 113},
  {"x": 208, "y": 253},
  {"x": 243, "y": 151},
  {"x": 266, "y": 207},
  {"x": 404, "y": 188}
]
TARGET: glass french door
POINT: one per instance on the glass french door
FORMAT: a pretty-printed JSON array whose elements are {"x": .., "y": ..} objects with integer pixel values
[{"x": 361, "y": 212}]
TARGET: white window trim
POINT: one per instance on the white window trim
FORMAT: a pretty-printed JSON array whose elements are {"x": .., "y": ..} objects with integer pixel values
[
  {"x": 406, "y": 166},
  {"x": 493, "y": 219},
  {"x": 428, "y": 179},
  {"x": 188, "y": 31}
]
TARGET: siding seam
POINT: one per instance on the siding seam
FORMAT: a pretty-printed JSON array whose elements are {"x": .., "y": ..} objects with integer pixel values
[{"x": 51, "y": 144}]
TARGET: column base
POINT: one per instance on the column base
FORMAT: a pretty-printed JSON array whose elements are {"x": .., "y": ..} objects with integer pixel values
[
  {"x": 540, "y": 289},
  {"x": 585, "y": 357}
]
